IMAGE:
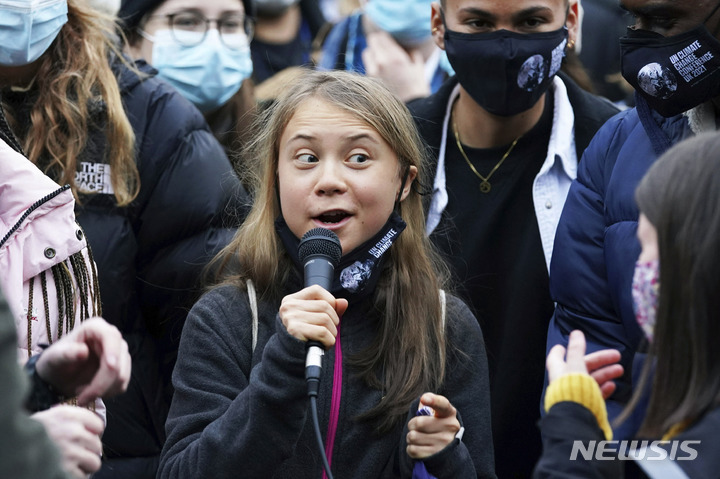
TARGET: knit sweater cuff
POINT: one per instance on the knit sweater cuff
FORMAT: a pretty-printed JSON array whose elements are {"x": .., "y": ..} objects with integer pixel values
[{"x": 580, "y": 388}]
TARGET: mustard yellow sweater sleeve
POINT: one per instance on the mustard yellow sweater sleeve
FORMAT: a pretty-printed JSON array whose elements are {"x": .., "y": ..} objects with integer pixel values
[{"x": 582, "y": 389}]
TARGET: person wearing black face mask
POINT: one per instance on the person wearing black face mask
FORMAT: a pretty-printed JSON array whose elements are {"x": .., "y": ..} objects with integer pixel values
[
  {"x": 506, "y": 134},
  {"x": 672, "y": 57}
]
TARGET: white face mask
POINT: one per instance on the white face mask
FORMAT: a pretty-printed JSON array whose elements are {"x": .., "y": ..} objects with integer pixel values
[
  {"x": 28, "y": 28},
  {"x": 110, "y": 7},
  {"x": 208, "y": 73}
]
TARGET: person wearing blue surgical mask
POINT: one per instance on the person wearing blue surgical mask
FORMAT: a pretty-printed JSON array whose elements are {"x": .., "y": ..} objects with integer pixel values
[
  {"x": 390, "y": 40},
  {"x": 26, "y": 32},
  {"x": 203, "y": 50}
]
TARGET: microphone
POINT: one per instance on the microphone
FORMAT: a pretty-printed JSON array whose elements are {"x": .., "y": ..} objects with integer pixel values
[{"x": 319, "y": 251}]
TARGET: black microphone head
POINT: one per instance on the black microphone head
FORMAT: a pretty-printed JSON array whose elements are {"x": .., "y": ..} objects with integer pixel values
[{"x": 320, "y": 241}]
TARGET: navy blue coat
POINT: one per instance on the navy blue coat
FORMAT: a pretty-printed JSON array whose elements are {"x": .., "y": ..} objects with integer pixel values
[{"x": 595, "y": 245}]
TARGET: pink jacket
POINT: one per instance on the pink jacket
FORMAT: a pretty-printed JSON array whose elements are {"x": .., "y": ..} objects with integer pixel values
[{"x": 48, "y": 276}]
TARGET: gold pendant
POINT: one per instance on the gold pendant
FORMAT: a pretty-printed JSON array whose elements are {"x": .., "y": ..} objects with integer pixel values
[{"x": 485, "y": 186}]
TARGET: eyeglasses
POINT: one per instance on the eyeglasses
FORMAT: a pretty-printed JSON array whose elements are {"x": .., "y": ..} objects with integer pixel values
[{"x": 190, "y": 28}]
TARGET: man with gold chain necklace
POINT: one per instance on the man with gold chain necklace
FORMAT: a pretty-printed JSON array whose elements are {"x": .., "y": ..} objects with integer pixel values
[{"x": 506, "y": 133}]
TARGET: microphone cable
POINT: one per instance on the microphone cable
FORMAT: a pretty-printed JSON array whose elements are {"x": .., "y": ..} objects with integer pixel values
[
  {"x": 319, "y": 251},
  {"x": 313, "y": 367},
  {"x": 318, "y": 436}
]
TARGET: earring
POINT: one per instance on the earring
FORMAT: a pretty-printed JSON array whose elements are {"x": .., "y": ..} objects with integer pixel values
[
  {"x": 435, "y": 29},
  {"x": 571, "y": 44}
]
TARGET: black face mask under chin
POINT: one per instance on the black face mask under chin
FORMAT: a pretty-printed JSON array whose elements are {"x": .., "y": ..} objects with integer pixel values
[
  {"x": 672, "y": 74},
  {"x": 505, "y": 72},
  {"x": 359, "y": 270}
]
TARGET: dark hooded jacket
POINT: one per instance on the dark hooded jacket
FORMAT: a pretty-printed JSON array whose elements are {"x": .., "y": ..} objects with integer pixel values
[{"x": 151, "y": 256}]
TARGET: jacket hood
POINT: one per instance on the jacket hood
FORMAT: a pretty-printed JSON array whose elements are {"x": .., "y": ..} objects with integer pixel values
[
  {"x": 33, "y": 240},
  {"x": 129, "y": 79}
]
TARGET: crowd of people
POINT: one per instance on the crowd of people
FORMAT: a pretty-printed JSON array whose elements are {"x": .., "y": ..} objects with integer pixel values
[{"x": 522, "y": 197}]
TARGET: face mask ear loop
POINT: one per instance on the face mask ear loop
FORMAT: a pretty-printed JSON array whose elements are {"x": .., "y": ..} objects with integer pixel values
[
  {"x": 402, "y": 187},
  {"x": 140, "y": 29},
  {"x": 145, "y": 35}
]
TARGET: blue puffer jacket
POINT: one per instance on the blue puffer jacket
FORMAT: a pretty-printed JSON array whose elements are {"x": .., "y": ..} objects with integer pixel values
[{"x": 595, "y": 246}]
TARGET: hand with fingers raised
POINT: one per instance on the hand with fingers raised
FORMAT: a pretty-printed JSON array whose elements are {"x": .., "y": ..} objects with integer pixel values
[{"x": 601, "y": 365}]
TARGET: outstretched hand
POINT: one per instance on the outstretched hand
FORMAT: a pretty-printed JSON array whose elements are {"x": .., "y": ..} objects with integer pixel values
[
  {"x": 601, "y": 365},
  {"x": 91, "y": 362},
  {"x": 428, "y": 435}
]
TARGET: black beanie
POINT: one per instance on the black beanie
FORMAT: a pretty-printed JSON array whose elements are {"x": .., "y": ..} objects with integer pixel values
[{"x": 132, "y": 11}]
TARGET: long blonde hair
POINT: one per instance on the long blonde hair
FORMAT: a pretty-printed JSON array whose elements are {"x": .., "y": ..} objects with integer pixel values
[
  {"x": 74, "y": 74},
  {"x": 409, "y": 349}
]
